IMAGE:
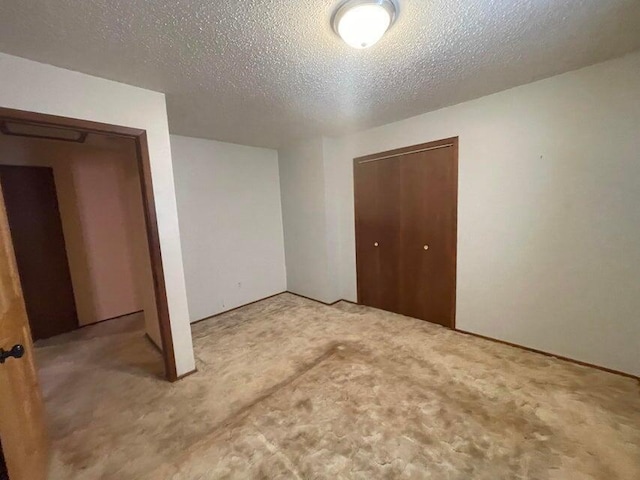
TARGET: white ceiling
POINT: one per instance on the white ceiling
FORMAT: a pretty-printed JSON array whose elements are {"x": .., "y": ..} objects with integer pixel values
[{"x": 266, "y": 72}]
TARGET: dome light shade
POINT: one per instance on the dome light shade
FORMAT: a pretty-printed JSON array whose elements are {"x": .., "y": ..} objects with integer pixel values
[{"x": 361, "y": 23}]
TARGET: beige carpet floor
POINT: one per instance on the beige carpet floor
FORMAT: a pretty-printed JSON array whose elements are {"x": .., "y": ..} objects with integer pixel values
[{"x": 290, "y": 388}]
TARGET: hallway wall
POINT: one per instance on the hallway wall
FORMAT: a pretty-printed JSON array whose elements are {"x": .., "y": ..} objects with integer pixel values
[{"x": 99, "y": 197}]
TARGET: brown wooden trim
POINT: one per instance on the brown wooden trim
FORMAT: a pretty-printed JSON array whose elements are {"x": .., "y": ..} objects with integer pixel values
[
  {"x": 184, "y": 375},
  {"x": 313, "y": 299},
  {"x": 34, "y": 118},
  {"x": 455, "y": 141},
  {"x": 144, "y": 168},
  {"x": 320, "y": 301},
  {"x": 151, "y": 221},
  {"x": 347, "y": 301},
  {"x": 407, "y": 150},
  {"x": 236, "y": 308},
  {"x": 548, "y": 354},
  {"x": 267, "y": 298},
  {"x": 355, "y": 228}
]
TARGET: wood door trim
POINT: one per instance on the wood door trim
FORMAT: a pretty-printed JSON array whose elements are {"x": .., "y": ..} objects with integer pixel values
[
  {"x": 148, "y": 202},
  {"x": 355, "y": 227},
  {"x": 394, "y": 155},
  {"x": 422, "y": 147},
  {"x": 455, "y": 142},
  {"x": 389, "y": 154}
]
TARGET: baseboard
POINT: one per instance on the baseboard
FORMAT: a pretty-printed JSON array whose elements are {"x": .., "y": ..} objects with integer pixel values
[
  {"x": 267, "y": 298},
  {"x": 184, "y": 375},
  {"x": 320, "y": 301},
  {"x": 312, "y": 299},
  {"x": 348, "y": 301},
  {"x": 491, "y": 339},
  {"x": 155, "y": 346},
  {"x": 109, "y": 319},
  {"x": 522, "y": 347},
  {"x": 236, "y": 308},
  {"x": 547, "y": 354}
]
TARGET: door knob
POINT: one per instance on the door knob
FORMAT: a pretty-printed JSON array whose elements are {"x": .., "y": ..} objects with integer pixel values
[
  {"x": 16, "y": 352},
  {"x": 375, "y": 244},
  {"x": 426, "y": 247}
]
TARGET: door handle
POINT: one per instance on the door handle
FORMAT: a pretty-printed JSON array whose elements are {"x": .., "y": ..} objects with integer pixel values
[{"x": 16, "y": 352}]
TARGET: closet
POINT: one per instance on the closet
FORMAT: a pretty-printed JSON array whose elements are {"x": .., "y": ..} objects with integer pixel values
[{"x": 406, "y": 230}]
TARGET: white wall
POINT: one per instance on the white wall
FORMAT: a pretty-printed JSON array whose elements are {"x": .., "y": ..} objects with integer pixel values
[
  {"x": 37, "y": 87},
  {"x": 231, "y": 223},
  {"x": 305, "y": 216},
  {"x": 549, "y": 211}
]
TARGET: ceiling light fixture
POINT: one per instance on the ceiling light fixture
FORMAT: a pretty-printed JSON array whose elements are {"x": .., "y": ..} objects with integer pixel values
[{"x": 361, "y": 23}]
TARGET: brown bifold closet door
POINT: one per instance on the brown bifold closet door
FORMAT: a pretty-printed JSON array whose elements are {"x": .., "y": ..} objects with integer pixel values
[
  {"x": 406, "y": 204},
  {"x": 377, "y": 186}
]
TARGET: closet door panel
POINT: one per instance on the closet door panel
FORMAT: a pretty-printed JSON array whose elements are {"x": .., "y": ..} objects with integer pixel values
[
  {"x": 377, "y": 207},
  {"x": 367, "y": 258},
  {"x": 428, "y": 235}
]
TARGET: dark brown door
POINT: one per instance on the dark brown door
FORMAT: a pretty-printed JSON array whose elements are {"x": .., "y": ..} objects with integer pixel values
[
  {"x": 36, "y": 230},
  {"x": 377, "y": 186},
  {"x": 409, "y": 198},
  {"x": 4, "y": 473}
]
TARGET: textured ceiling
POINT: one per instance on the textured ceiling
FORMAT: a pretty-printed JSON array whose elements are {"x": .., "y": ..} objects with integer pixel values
[{"x": 266, "y": 72}]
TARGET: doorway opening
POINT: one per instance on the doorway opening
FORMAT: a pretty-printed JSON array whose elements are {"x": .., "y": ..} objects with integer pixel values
[{"x": 76, "y": 295}]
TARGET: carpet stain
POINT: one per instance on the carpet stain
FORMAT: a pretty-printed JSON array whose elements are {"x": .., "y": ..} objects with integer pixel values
[{"x": 290, "y": 388}]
